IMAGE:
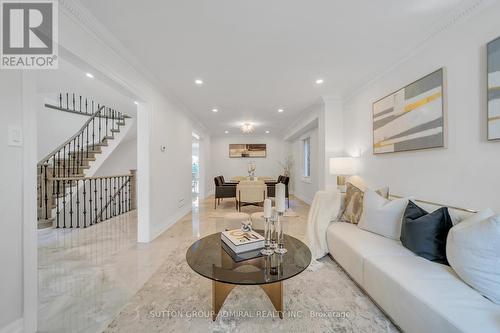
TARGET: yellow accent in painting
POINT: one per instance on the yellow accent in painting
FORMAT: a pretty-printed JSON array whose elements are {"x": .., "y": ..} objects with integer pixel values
[
  {"x": 492, "y": 119},
  {"x": 422, "y": 102}
]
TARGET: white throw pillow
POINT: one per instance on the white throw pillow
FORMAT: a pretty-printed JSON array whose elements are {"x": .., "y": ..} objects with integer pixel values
[
  {"x": 382, "y": 216},
  {"x": 473, "y": 251}
]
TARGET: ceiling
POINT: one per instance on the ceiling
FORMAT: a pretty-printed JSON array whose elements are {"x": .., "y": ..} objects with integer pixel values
[
  {"x": 258, "y": 56},
  {"x": 71, "y": 78}
]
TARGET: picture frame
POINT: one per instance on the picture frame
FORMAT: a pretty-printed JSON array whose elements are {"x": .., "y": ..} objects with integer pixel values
[{"x": 411, "y": 118}]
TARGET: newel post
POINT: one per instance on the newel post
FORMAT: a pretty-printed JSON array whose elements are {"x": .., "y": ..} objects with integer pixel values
[{"x": 133, "y": 189}]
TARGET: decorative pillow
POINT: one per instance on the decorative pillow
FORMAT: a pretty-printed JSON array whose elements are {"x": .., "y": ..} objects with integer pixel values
[
  {"x": 425, "y": 234},
  {"x": 382, "y": 216},
  {"x": 473, "y": 250},
  {"x": 353, "y": 207}
]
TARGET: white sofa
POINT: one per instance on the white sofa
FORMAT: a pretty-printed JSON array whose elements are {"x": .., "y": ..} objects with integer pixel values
[{"x": 417, "y": 294}]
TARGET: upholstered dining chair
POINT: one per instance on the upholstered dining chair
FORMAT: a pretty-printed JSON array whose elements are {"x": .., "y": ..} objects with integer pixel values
[
  {"x": 250, "y": 193},
  {"x": 223, "y": 191}
]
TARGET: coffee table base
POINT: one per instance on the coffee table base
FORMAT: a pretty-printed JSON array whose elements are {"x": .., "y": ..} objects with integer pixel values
[{"x": 221, "y": 290}]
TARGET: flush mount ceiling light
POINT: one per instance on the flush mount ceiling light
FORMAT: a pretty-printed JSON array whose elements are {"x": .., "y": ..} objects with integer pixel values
[
  {"x": 267, "y": 132},
  {"x": 215, "y": 110},
  {"x": 136, "y": 103},
  {"x": 247, "y": 128},
  {"x": 198, "y": 82},
  {"x": 320, "y": 81},
  {"x": 90, "y": 75},
  {"x": 226, "y": 132},
  {"x": 280, "y": 110}
]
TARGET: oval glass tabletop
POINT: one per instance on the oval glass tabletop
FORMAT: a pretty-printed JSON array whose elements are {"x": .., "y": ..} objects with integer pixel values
[{"x": 210, "y": 259}]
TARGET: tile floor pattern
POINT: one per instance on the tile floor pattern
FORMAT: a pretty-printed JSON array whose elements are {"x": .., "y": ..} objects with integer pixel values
[{"x": 89, "y": 276}]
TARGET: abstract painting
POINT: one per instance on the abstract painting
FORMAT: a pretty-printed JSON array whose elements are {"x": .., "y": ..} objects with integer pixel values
[
  {"x": 494, "y": 90},
  {"x": 411, "y": 118},
  {"x": 247, "y": 150}
]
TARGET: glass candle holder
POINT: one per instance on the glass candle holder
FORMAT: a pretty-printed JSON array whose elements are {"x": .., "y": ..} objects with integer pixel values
[
  {"x": 280, "y": 235},
  {"x": 267, "y": 238},
  {"x": 272, "y": 226}
]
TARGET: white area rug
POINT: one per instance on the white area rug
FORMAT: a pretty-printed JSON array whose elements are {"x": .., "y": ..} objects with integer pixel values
[{"x": 176, "y": 299}]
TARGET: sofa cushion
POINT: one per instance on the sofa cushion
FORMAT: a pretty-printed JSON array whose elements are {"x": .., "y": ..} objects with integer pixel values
[
  {"x": 353, "y": 203},
  {"x": 473, "y": 250},
  {"x": 350, "y": 245},
  {"x": 382, "y": 216},
  {"x": 425, "y": 234},
  {"x": 422, "y": 296}
]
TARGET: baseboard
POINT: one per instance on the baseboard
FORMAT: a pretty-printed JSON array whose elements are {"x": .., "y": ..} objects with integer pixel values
[
  {"x": 16, "y": 326},
  {"x": 168, "y": 223},
  {"x": 303, "y": 198}
]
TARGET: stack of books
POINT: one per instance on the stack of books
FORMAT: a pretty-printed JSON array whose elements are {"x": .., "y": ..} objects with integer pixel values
[{"x": 240, "y": 241}]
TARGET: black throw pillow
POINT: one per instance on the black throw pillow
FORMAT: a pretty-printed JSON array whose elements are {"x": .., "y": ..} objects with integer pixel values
[{"x": 425, "y": 234}]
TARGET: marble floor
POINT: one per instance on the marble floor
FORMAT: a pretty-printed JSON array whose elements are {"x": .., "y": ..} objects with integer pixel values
[
  {"x": 100, "y": 279},
  {"x": 87, "y": 275}
]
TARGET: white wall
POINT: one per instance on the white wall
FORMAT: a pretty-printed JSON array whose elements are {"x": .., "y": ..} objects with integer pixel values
[
  {"x": 301, "y": 187},
  {"x": 11, "y": 209},
  {"x": 123, "y": 158},
  {"x": 54, "y": 127},
  {"x": 466, "y": 173},
  {"x": 221, "y": 164}
]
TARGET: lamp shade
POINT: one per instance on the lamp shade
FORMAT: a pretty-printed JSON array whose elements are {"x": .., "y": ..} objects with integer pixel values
[{"x": 343, "y": 166}]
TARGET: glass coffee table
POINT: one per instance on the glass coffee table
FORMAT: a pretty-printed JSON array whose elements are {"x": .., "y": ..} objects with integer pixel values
[{"x": 208, "y": 258}]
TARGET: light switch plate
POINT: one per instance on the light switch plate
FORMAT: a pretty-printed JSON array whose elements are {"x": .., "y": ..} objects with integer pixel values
[{"x": 15, "y": 136}]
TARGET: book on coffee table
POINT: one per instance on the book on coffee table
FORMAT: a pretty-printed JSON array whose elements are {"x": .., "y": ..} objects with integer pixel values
[
  {"x": 239, "y": 257},
  {"x": 242, "y": 241}
]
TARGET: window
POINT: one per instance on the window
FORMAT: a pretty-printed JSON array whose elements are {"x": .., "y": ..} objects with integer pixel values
[{"x": 306, "y": 144}]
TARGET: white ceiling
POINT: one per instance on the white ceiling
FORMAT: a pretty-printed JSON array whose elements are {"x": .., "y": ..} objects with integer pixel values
[
  {"x": 256, "y": 56},
  {"x": 71, "y": 78}
]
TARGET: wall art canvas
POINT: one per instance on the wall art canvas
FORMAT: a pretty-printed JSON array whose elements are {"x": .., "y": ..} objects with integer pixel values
[
  {"x": 247, "y": 150},
  {"x": 494, "y": 89},
  {"x": 411, "y": 118}
]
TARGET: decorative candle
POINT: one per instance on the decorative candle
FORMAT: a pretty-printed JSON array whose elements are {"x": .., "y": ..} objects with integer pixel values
[
  {"x": 268, "y": 208},
  {"x": 280, "y": 198}
]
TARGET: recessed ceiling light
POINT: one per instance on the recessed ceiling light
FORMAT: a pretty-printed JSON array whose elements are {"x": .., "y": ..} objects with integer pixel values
[
  {"x": 215, "y": 110},
  {"x": 226, "y": 132},
  {"x": 280, "y": 110},
  {"x": 89, "y": 75},
  {"x": 267, "y": 132},
  {"x": 198, "y": 82},
  {"x": 136, "y": 103},
  {"x": 320, "y": 81}
]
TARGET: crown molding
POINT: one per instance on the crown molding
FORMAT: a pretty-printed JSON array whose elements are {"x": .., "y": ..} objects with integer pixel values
[
  {"x": 82, "y": 16},
  {"x": 464, "y": 11}
]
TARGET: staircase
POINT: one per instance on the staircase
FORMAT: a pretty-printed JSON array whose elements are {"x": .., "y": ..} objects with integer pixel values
[{"x": 66, "y": 197}]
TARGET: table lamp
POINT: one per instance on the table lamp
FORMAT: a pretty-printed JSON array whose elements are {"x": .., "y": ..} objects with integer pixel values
[{"x": 342, "y": 167}]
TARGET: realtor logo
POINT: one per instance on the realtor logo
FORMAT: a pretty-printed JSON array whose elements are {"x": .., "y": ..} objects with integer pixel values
[{"x": 29, "y": 34}]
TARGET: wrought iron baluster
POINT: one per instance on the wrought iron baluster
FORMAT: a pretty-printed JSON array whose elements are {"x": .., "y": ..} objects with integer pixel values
[
  {"x": 95, "y": 200},
  {"x": 100, "y": 198},
  {"x": 60, "y": 100},
  {"x": 73, "y": 157},
  {"x": 93, "y": 133},
  {"x": 64, "y": 162},
  {"x": 70, "y": 184},
  {"x": 87, "y": 148},
  {"x": 84, "y": 203},
  {"x": 78, "y": 203},
  {"x": 64, "y": 202},
  {"x": 74, "y": 109},
  {"x": 90, "y": 202},
  {"x": 114, "y": 197},
  {"x": 46, "y": 197},
  {"x": 58, "y": 208},
  {"x": 67, "y": 101},
  {"x": 106, "y": 196},
  {"x": 129, "y": 194},
  {"x": 81, "y": 104}
]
